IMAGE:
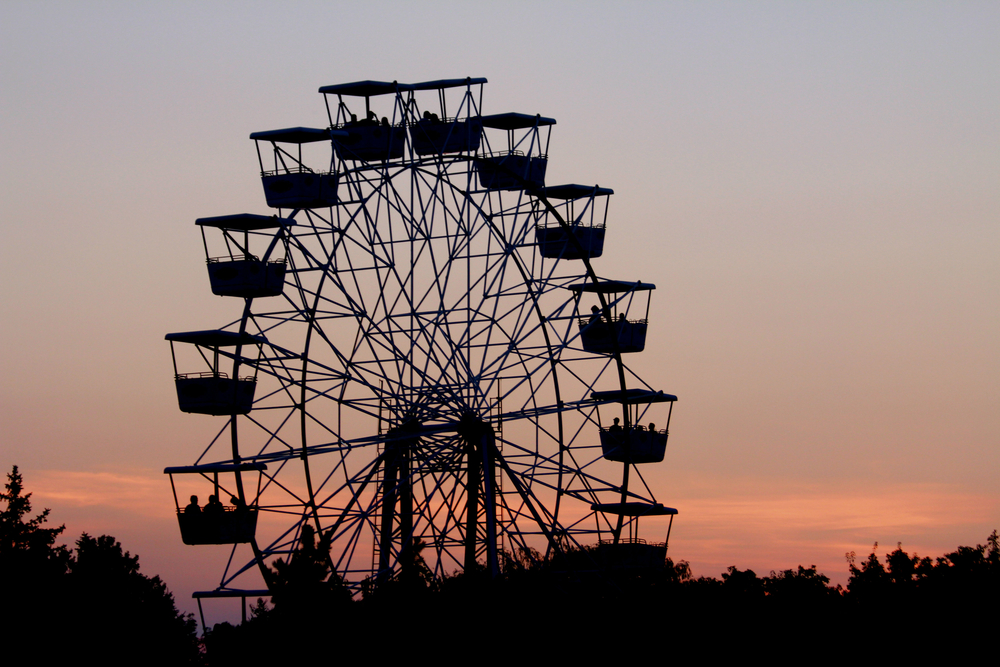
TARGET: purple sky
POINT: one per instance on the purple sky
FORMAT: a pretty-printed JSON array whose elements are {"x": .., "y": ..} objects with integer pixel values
[{"x": 812, "y": 186}]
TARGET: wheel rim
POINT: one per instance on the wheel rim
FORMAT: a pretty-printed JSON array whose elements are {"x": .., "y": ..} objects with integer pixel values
[{"x": 418, "y": 327}]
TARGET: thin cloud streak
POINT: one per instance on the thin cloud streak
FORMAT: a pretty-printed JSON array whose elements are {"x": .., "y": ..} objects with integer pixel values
[{"x": 141, "y": 493}]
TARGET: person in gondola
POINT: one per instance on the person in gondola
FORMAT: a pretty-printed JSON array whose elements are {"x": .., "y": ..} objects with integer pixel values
[
  {"x": 192, "y": 507},
  {"x": 238, "y": 504},
  {"x": 617, "y": 434},
  {"x": 214, "y": 506},
  {"x": 595, "y": 314}
]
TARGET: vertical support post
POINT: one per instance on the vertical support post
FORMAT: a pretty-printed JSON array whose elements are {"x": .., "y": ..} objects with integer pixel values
[
  {"x": 405, "y": 504},
  {"x": 396, "y": 490},
  {"x": 487, "y": 445},
  {"x": 201, "y": 613},
  {"x": 471, "y": 501},
  {"x": 390, "y": 468},
  {"x": 480, "y": 443},
  {"x": 627, "y": 433}
]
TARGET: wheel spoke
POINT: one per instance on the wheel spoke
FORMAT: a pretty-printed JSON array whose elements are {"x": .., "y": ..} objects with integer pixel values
[{"x": 422, "y": 374}]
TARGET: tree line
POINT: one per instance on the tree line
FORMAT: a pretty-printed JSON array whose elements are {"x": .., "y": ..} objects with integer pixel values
[
  {"x": 93, "y": 600},
  {"x": 900, "y": 600}
]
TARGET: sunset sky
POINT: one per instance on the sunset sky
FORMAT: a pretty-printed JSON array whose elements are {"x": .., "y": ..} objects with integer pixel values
[{"x": 813, "y": 187}]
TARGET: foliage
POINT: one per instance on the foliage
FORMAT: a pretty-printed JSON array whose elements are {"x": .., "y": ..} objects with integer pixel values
[
  {"x": 33, "y": 568},
  {"x": 143, "y": 609},
  {"x": 569, "y": 593},
  {"x": 308, "y": 599},
  {"x": 414, "y": 573},
  {"x": 967, "y": 577},
  {"x": 305, "y": 584},
  {"x": 950, "y": 599},
  {"x": 96, "y": 602},
  {"x": 871, "y": 579},
  {"x": 800, "y": 587},
  {"x": 27, "y": 550},
  {"x": 742, "y": 584},
  {"x": 410, "y": 583}
]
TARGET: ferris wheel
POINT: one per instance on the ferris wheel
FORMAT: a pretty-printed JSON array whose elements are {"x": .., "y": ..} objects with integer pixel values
[{"x": 419, "y": 355}]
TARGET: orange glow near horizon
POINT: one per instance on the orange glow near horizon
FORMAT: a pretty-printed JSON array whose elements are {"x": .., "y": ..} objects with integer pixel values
[{"x": 750, "y": 527}]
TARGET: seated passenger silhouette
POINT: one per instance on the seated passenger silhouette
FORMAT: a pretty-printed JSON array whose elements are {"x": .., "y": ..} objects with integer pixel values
[
  {"x": 595, "y": 314},
  {"x": 237, "y": 503},
  {"x": 616, "y": 427},
  {"x": 652, "y": 427},
  {"x": 192, "y": 507},
  {"x": 214, "y": 506}
]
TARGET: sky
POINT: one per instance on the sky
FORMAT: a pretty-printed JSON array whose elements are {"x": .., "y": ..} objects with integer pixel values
[{"x": 813, "y": 187}]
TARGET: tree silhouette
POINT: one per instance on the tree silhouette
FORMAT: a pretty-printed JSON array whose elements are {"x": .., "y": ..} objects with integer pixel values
[
  {"x": 308, "y": 599},
  {"x": 414, "y": 573},
  {"x": 132, "y": 610},
  {"x": 870, "y": 582},
  {"x": 32, "y": 570},
  {"x": 804, "y": 585},
  {"x": 305, "y": 584},
  {"x": 26, "y": 548},
  {"x": 948, "y": 602},
  {"x": 742, "y": 585},
  {"x": 96, "y": 603},
  {"x": 903, "y": 570}
]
